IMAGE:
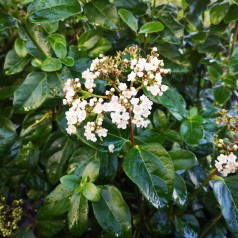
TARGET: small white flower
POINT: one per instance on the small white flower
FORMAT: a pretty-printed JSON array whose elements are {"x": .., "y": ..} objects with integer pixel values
[
  {"x": 122, "y": 86},
  {"x": 111, "y": 148},
  {"x": 102, "y": 132},
  {"x": 131, "y": 76}
]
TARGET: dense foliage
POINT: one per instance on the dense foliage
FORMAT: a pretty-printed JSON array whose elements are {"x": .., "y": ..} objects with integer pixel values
[{"x": 169, "y": 172}]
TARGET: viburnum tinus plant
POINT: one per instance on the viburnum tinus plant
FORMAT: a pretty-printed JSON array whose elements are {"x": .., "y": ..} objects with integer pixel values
[{"x": 118, "y": 118}]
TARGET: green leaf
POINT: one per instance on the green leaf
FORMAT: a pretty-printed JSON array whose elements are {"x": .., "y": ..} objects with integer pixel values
[
  {"x": 68, "y": 61},
  {"x": 102, "y": 13},
  {"x": 211, "y": 45},
  {"x": 218, "y": 12},
  {"x": 231, "y": 183},
  {"x": 159, "y": 119},
  {"x": 51, "y": 27},
  {"x": 172, "y": 135},
  {"x": 10, "y": 145},
  {"x": 70, "y": 181},
  {"x": 56, "y": 151},
  {"x": 136, "y": 7},
  {"x": 191, "y": 132},
  {"x": 149, "y": 136},
  {"x": 114, "y": 137},
  {"x": 173, "y": 58},
  {"x": 129, "y": 19},
  {"x": 85, "y": 163},
  {"x": 20, "y": 48},
  {"x": 89, "y": 39},
  {"x": 221, "y": 94},
  {"x": 52, "y": 10},
  {"x": 227, "y": 207},
  {"x": 199, "y": 37},
  {"x": 161, "y": 223},
  {"x": 49, "y": 228},
  {"x": 182, "y": 159},
  {"x": 35, "y": 91},
  {"x": 187, "y": 226},
  {"x": 60, "y": 50},
  {"x": 231, "y": 14},
  {"x": 51, "y": 64},
  {"x": 56, "y": 38},
  {"x": 91, "y": 192},
  {"x": 56, "y": 203},
  {"x": 173, "y": 30},
  {"x": 23, "y": 233},
  {"x": 151, "y": 169},
  {"x": 151, "y": 27},
  {"x": 112, "y": 212},
  {"x": 234, "y": 61},
  {"x": 180, "y": 190},
  {"x": 101, "y": 47},
  {"x": 13, "y": 63},
  {"x": 6, "y": 21},
  {"x": 173, "y": 101},
  {"x": 78, "y": 215},
  {"x": 215, "y": 71}
]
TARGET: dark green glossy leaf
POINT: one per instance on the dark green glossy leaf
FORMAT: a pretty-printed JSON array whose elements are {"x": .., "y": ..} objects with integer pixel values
[
  {"x": 218, "y": 11},
  {"x": 49, "y": 228},
  {"x": 85, "y": 163},
  {"x": 13, "y": 63},
  {"x": 180, "y": 190},
  {"x": 173, "y": 59},
  {"x": 182, "y": 159},
  {"x": 57, "y": 150},
  {"x": 56, "y": 203},
  {"x": 52, "y": 10},
  {"x": 161, "y": 223},
  {"x": 231, "y": 14},
  {"x": 101, "y": 47},
  {"x": 215, "y": 71},
  {"x": 234, "y": 61},
  {"x": 173, "y": 101},
  {"x": 187, "y": 226},
  {"x": 221, "y": 94},
  {"x": 10, "y": 145},
  {"x": 173, "y": 30},
  {"x": 151, "y": 27},
  {"x": 91, "y": 192},
  {"x": 136, "y": 7},
  {"x": 191, "y": 132},
  {"x": 159, "y": 119},
  {"x": 68, "y": 61},
  {"x": 6, "y": 21},
  {"x": 151, "y": 169},
  {"x": 199, "y": 37},
  {"x": 51, "y": 64},
  {"x": 35, "y": 130},
  {"x": 231, "y": 183},
  {"x": 227, "y": 207},
  {"x": 197, "y": 8},
  {"x": 172, "y": 135},
  {"x": 112, "y": 212},
  {"x": 78, "y": 215},
  {"x": 114, "y": 137},
  {"x": 211, "y": 45},
  {"x": 129, "y": 19},
  {"x": 102, "y": 13},
  {"x": 36, "y": 90},
  {"x": 20, "y": 48},
  {"x": 57, "y": 38},
  {"x": 108, "y": 164},
  {"x": 89, "y": 39},
  {"x": 149, "y": 136}
]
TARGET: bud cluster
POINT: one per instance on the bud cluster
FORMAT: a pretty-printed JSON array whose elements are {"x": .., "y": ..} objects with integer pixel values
[
  {"x": 9, "y": 216},
  {"x": 122, "y": 101}
]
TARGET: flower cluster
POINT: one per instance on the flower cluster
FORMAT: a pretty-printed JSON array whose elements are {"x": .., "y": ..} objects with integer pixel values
[
  {"x": 122, "y": 101},
  {"x": 226, "y": 164}
]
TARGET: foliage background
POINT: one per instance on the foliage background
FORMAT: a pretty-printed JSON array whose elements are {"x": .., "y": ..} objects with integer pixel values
[{"x": 43, "y": 43}]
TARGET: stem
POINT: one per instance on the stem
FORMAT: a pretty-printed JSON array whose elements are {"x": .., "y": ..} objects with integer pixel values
[
  {"x": 33, "y": 39},
  {"x": 212, "y": 174},
  {"x": 234, "y": 38},
  {"x": 215, "y": 220},
  {"x": 131, "y": 130}
]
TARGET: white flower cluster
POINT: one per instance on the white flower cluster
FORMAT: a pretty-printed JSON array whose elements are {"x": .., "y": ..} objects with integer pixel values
[
  {"x": 122, "y": 101},
  {"x": 226, "y": 164}
]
